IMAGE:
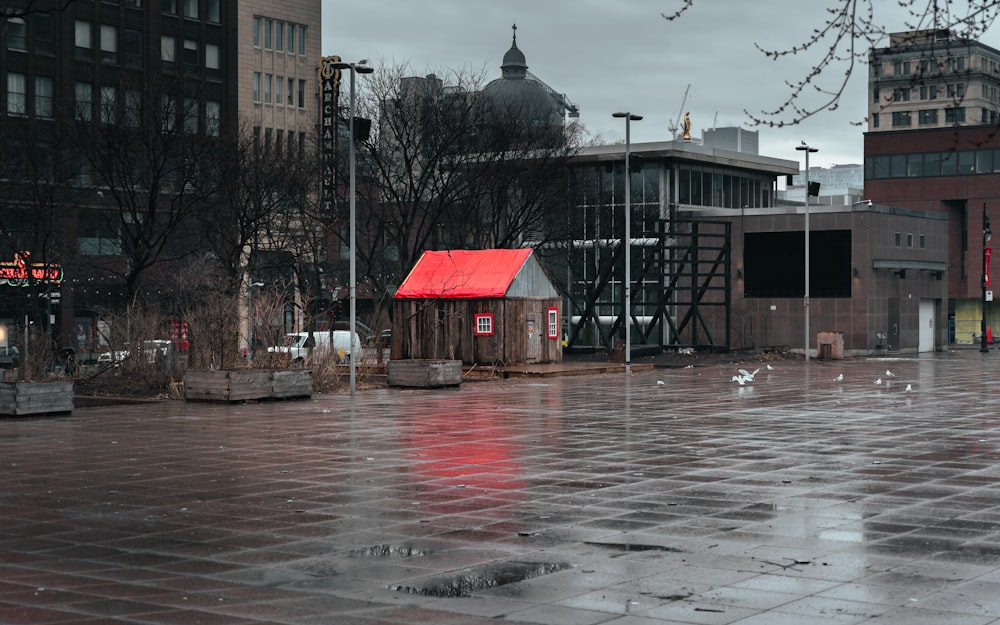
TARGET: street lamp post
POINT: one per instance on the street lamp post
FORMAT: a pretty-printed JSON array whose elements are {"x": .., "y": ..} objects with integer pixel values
[
  {"x": 987, "y": 235},
  {"x": 355, "y": 68},
  {"x": 629, "y": 118},
  {"x": 808, "y": 150}
]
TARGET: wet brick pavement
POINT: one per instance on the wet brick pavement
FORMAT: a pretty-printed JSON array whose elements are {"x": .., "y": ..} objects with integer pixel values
[{"x": 572, "y": 500}]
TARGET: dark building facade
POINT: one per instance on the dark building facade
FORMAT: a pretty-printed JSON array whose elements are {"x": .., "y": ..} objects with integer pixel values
[{"x": 955, "y": 173}]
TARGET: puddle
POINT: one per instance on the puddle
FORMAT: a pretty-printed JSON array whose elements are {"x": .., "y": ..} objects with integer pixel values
[
  {"x": 386, "y": 551},
  {"x": 474, "y": 580},
  {"x": 630, "y": 547}
]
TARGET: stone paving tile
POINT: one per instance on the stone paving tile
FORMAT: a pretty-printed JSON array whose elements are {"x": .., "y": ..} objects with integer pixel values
[{"x": 795, "y": 500}]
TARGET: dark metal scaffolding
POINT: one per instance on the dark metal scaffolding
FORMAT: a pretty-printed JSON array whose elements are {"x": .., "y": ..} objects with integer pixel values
[{"x": 681, "y": 281}]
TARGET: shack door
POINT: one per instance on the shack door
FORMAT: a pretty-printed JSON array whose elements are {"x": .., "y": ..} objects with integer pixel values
[{"x": 534, "y": 347}]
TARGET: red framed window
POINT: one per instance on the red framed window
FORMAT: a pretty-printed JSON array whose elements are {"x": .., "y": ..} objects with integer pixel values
[
  {"x": 552, "y": 327},
  {"x": 483, "y": 324}
]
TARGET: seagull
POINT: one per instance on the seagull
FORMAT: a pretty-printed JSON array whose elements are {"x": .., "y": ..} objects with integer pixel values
[
  {"x": 771, "y": 367},
  {"x": 660, "y": 383},
  {"x": 742, "y": 379},
  {"x": 889, "y": 374},
  {"x": 839, "y": 378},
  {"x": 878, "y": 381},
  {"x": 746, "y": 374},
  {"x": 909, "y": 388}
]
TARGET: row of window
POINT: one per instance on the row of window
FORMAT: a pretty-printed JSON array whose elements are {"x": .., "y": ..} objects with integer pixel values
[
  {"x": 189, "y": 52},
  {"x": 926, "y": 92},
  {"x": 926, "y": 164},
  {"x": 268, "y": 88},
  {"x": 898, "y": 239},
  {"x": 924, "y": 66},
  {"x": 281, "y": 141},
  {"x": 191, "y": 8},
  {"x": 925, "y": 117},
  {"x": 109, "y": 108},
  {"x": 272, "y": 34}
]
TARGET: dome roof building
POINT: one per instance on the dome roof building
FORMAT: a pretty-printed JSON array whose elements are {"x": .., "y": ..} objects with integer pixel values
[{"x": 519, "y": 95}]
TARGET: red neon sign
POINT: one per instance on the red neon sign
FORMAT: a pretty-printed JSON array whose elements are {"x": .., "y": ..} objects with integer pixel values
[{"x": 20, "y": 273}]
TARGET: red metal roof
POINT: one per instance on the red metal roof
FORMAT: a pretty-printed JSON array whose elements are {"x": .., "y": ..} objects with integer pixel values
[{"x": 458, "y": 274}]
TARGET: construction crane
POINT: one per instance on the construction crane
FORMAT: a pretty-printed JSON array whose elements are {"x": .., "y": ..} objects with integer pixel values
[
  {"x": 560, "y": 98},
  {"x": 675, "y": 125}
]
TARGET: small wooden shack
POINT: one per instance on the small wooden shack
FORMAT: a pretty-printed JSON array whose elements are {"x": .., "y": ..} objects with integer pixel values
[{"x": 480, "y": 307}]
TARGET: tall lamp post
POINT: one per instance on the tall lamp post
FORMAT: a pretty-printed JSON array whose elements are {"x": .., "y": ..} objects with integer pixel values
[
  {"x": 808, "y": 150},
  {"x": 629, "y": 118},
  {"x": 987, "y": 235},
  {"x": 361, "y": 67}
]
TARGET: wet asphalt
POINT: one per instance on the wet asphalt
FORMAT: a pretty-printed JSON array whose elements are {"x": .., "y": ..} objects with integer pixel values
[{"x": 672, "y": 496}]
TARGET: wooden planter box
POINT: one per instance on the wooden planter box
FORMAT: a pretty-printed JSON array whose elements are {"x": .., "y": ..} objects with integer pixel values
[
  {"x": 425, "y": 373},
  {"x": 243, "y": 384},
  {"x": 23, "y": 398}
]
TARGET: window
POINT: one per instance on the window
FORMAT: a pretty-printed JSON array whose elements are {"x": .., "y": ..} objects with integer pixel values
[
  {"x": 42, "y": 33},
  {"x": 928, "y": 117},
  {"x": 279, "y": 135},
  {"x": 909, "y": 239},
  {"x": 302, "y": 94},
  {"x": 279, "y": 36},
  {"x": 133, "y": 108},
  {"x": 17, "y": 94},
  {"x": 109, "y": 44},
  {"x": 133, "y": 48},
  {"x": 98, "y": 236},
  {"x": 109, "y": 105},
  {"x": 84, "y": 95},
  {"x": 898, "y": 239},
  {"x": 901, "y": 94},
  {"x": 43, "y": 97},
  {"x": 213, "y": 12},
  {"x": 923, "y": 240},
  {"x": 17, "y": 34},
  {"x": 552, "y": 326},
  {"x": 256, "y": 31},
  {"x": 256, "y": 86},
  {"x": 267, "y": 33},
  {"x": 169, "y": 6},
  {"x": 875, "y": 95},
  {"x": 291, "y": 38},
  {"x": 291, "y": 91},
  {"x": 168, "y": 114},
  {"x": 875, "y": 117},
  {"x": 213, "y": 111},
  {"x": 168, "y": 52},
  {"x": 190, "y": 55},
  {"x": 954, "y": 115},
  {"x": 901, "y": 119},
  {"x": 302, "y": 40},
  {"x": 191, "y": 116},
  {"x": 901, "y": 68},
  {"x": 278, "y": 82},
  {"x": 484, "y": 324},
  {"x": 83, "y": 40},
  {"x": 191, "y": 8},
  {"x": 268, "y": 79},
  {"x": 212, "y": 61}
]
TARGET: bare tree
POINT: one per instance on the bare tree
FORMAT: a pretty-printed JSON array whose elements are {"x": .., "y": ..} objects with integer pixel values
[
  {"x": 444, "y": 168},
  {"x": 843, "y": 38},
  {"x": 142, "y": 156}
]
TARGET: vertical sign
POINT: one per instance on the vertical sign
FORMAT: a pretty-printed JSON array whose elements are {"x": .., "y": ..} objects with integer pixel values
[{"x": 329, "y": 83}]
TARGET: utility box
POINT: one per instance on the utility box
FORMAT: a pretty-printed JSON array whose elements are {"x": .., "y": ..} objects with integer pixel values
[{"x": 830, "y": 345}]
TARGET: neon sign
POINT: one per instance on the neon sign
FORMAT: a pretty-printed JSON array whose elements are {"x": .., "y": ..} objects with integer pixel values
[{"x": 21, "y": 273}]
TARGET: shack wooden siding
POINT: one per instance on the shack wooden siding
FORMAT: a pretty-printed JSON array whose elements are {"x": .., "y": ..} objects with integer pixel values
[{"x": 444, "y": 329}]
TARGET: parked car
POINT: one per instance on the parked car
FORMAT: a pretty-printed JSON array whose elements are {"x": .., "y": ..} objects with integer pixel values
[
  {"x": 334, "y": 345},
  {"x": 153, "y": 350}
]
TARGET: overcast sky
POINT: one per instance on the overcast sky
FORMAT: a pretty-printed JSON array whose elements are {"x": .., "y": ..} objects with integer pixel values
[{"x": 621, "y": 55}]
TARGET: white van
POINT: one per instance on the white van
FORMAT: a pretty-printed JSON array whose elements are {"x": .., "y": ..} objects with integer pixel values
[{"x": 330, "y": 345}]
